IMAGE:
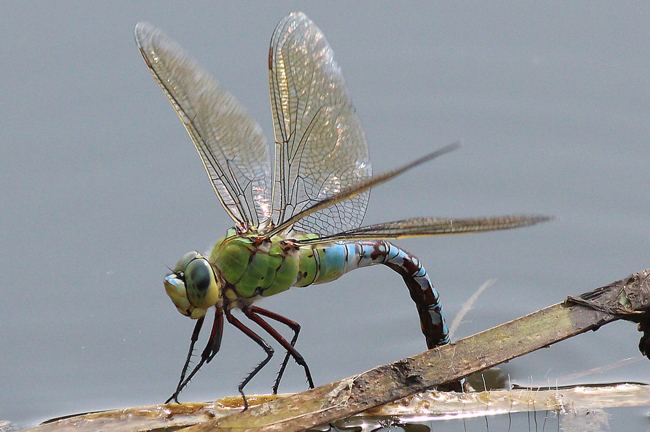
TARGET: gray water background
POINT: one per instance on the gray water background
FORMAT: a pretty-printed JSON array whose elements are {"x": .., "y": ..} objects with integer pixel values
[{"x": 102, "y": 189}]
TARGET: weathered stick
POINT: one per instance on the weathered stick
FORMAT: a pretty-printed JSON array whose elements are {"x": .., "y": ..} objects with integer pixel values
[{"x": 624, "y": 299}]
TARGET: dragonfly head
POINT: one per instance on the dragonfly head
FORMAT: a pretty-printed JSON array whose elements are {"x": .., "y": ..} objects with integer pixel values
[{"x": 193, "y": 285}]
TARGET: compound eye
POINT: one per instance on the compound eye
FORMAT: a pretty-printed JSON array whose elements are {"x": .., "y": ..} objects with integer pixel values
[
  {"x": 185, "y": 260},
  {"x": 200, "y": 283},
  {"x": 198, "y": 275},
  {"x": 192, "y": 285}
]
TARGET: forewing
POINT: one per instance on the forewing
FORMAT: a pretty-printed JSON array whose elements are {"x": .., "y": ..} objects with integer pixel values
[
  {"x": 321, "y": 148},
  {"x": 358, "y": 188},
  {"x": 231, "y": 144},
  {"x": 419, "y": 227}
]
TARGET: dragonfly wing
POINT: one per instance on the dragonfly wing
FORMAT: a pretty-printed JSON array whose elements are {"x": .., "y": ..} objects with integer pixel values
[
  {"x": 321, "y": 148},
  {"x": 231, "y": 144},
  {"x": 357, "y": 189},
  {"x": 418, "y": 227}
]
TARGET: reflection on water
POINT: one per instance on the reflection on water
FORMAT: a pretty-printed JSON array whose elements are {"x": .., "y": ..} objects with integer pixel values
[
  {"x": 579, "y": 420},
  {"x": 581, "y": 408}
]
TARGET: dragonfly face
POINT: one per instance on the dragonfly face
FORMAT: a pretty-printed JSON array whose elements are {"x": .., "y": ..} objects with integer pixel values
[{"x": 193, "y": 285}]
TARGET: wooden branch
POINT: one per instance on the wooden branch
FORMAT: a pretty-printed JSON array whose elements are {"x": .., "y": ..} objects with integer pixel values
[{"x": 430, "y": 405}]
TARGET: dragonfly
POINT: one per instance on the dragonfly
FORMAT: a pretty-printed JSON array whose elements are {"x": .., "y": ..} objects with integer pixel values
[{"x": 302, "y": 226}]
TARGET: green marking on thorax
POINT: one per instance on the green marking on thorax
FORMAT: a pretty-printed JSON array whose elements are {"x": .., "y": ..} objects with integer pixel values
[{"x": 262, "y": 268}]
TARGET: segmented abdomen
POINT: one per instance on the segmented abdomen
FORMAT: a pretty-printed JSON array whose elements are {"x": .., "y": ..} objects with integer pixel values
[{"x": 320, "y": 264}]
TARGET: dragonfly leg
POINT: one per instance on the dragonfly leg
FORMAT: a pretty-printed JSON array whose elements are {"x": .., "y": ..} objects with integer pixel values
[
  {"x": 252, "y": 313},
  {"x": 257, "y": 339},
  {"x": 296, "y": 331},
  {"x": 210, "y": 350},
  {"x": 195, "y": 337}
]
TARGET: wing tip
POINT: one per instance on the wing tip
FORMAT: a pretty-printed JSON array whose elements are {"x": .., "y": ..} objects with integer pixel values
[
  {"x": 531, "y": 219},
  {"x": 143, "y": 33}
]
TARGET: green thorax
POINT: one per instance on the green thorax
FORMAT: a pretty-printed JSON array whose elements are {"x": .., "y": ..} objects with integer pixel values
[{"x": 250, "y": 266}]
